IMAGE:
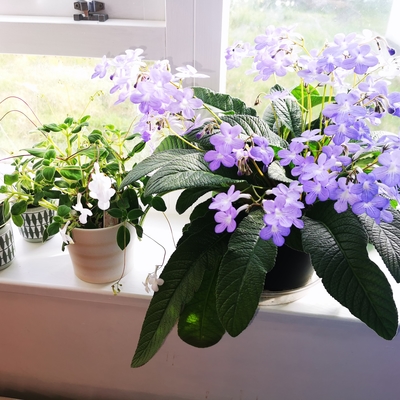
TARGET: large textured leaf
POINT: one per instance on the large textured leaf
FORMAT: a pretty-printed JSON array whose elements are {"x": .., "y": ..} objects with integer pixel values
[
  {"x": 337, "y": 245},
  {"x": 182, "y": 276},
  {"x": 223, "y": 102},
  {"x": 284, "y": 112},
  {"x": 242, "y": 274},
  {"x": 184, "y": 173},
  {"x": 386, "y": 239},
  {"x": 255, "y": 126},
  {"x": 171, "y": 142},
  {"x": 160, "y": 160},
  {"x": 278, "y": 173},
  {"x": 198, "y": 324}
]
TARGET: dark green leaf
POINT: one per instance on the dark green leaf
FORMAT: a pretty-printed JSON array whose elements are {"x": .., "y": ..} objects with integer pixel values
[
  {"x": 255, "y": 126},
  {"x": 188, "y": 197},
  {"x": 52, "y": 127},
  {"x": 139, "y": 231},
  {"x": 115, "y": 212},
  {"x": 123, "y": 237},
  {"x": 53, "y": 228},
  {"x": 71, "y": 172},
  {"x": 337, "y": 244},
  {"x": 36, "y": 152},
  {"x": 182, "y": 276},
  {"x": 18, "y": 220},
  {"x": 19, "y": 207},
  {"x": 131, "y": 197},
  {"x": 63, "y": 211},
  {"x": 386, "y": 239},
  {"x": 138, "y": 148},
  {"x": 171, "y": 142},
  {"x": 198, "y": 323},
  {"x": 158, "y": 204},
  {"x": 135, "y": 214},
  {"x": 48, "y": 173},
  {"x": 223, "y": 102},
  {"x": 242, "y": 274},
  {"x": 50, "y": 154}
]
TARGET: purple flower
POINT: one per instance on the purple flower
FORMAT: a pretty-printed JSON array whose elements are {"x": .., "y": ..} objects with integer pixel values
[
  {"x": 291, "y": 155},
  {"x": 343, "y": 195},
  {"x": 262, "y": 151},
  {"x": 276, "y": 232},
  {"x": 389, "y": 172},
  {"x": 228, "y": 138},
  {"x": 313, "y": 135},
  {"x": 225, "y": 220},
  {"x": 185, "y": 103},
  {"x": 223, "y": 201},
  {"x": 360, "y": 59},
  {"x": 367, "y": 187},
  {"x": 215, "y": 158},
  {"x": 373, "y": 208},
  {"x": 345, "y": 109}
]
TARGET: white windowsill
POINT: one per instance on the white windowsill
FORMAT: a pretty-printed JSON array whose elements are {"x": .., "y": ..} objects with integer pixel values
[{"x": 43, "y": 269}]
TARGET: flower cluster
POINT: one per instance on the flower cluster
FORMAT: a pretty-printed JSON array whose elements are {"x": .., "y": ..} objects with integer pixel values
[
  {"x": 159, "y": 95},
  {"x": 339, "y": 158}
]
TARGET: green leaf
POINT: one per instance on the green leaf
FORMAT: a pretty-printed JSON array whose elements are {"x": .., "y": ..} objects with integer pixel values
[
  {"x": 316, "y": 98},
  {"x": 337, "y": 244},
  {"x": 278, "y": 173},
  {"x": 139, "y": 231},
  {"x": 135, "y": 214},
  {"x": 115, "y": 212},
  {"x": 255, "y": 126},
  {"x": 138, "y": 148},
  {"x": 188, "y": 197},
  {"x": 158, "y": 204},
  {"x": 61, "y": 184},
  {"x": 386, "y": 239},
  {"x": 53, "y": 228},
  {"x": 18, "y": 220},
  {"x": 48, "y": 173},
  {"x": 198, "y": 323},
  {"x": 10, "y": 179},
  {"x": 123, "y": 237},
  {"x": 19, "y": 208},
  {"x": 284, "y": 112},
  {"x": 177, "y": 169},
  {"x": 96, "y": 136},
  {"x": 242, "y": 274},
  {"x": 71, "y": 172},
  {"x": 39, "y": 153},
  {"x": 130, "y": 196},
  {"x": 182, "y": 276},
  {"x": 51, "y": 127},
  {"x": 171, "y": 142},
  {"x": 223, "y": 102},
  {"x": 50, "y": 154},
  {"x": 63, "y": 211}
]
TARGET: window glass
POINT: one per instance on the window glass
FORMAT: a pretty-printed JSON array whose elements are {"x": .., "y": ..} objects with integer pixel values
[{"x": 315, "y": 20}]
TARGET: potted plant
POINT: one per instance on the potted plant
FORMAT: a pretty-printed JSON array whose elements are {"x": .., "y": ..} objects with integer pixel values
[
  {"x": 76, "y": 174},
  {"x": 312, "y": 171},
  {"x": 7, "y": 246}
]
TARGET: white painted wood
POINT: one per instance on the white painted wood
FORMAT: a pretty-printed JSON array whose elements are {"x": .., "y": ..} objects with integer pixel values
[
  {"x": 184, "y": 31},
  {"x": 71, "y": 339}
]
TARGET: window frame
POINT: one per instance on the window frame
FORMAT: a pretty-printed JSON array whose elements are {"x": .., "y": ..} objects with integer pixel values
[{"x": 186, "y": 32}]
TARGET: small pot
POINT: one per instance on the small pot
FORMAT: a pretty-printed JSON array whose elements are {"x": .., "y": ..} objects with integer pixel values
[
  {"x": 7, "y": 246},
  {"x": 96, "y": 256},
  {"x": 36, "y": 219}
]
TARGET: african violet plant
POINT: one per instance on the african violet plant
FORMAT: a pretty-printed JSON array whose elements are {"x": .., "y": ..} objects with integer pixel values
[{"x": 312, "y": 171}]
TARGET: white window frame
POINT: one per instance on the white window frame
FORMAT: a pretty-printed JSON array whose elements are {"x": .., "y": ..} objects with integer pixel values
[{"x": 184, "y": 31}]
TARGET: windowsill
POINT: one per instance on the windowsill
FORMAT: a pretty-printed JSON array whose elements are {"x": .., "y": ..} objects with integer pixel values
[
  {"x": 43, "y": 269},
  {"x": 33, "y": 19}
]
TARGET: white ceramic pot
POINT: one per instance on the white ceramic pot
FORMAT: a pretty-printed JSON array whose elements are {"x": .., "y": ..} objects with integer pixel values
[
  {"x": 7, "y": 246},
  {"x": 96, "y": 256},
  {"x": 36, "y": 220}
]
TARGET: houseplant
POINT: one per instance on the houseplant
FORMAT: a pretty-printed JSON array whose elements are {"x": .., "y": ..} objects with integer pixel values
[
  {"x": 76, "y": 172},
  {"x": 7, "y": 247},
  {"x": 312, "y": 171}
]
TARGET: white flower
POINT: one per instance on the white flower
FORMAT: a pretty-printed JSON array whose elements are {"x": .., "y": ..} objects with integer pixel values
[
  {"x": 152, "y": 281},
  {"x": 65, "y": 237},
  {"x": 100, "y": 188},
  {"x": 85, "y": 212},
  {"x": 189, "y": 72}
]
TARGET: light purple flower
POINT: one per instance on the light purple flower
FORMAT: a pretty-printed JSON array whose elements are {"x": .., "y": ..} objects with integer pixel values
[
  {"x": 223, "y": 201},
  {"x": 225, "y": 220}
]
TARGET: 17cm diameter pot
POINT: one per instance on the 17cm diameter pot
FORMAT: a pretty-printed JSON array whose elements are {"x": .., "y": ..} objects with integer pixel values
[{"x": 96, "y": 256}]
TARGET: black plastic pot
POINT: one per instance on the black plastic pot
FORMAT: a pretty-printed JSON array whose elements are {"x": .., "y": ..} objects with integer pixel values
[{"x": 292, "y": 270}]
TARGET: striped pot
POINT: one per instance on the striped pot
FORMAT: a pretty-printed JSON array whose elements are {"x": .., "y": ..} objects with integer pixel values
[
  {"x": 7, "y": 246},
  {"x": 35, "y": 222}
]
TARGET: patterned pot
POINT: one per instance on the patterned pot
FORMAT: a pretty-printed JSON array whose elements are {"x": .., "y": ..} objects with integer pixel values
[
  {"x": 36, "y": 220},
  {"x": 7, "y": 246}
]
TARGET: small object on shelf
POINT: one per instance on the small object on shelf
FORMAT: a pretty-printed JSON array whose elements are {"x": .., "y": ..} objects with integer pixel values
[{"x": 89, "y": 11}]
